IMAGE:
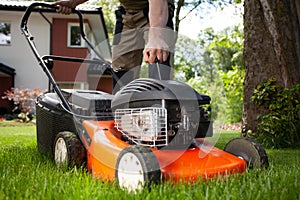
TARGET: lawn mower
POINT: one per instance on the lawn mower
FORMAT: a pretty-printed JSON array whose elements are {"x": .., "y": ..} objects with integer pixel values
[{"x": 148, "y": 132}]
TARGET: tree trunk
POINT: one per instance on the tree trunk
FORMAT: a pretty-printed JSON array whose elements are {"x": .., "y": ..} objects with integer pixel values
[{"x": 271, "y": 49}]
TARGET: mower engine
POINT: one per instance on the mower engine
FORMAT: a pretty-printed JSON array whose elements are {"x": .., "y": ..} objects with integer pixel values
[{"x": 159, "y": 113}]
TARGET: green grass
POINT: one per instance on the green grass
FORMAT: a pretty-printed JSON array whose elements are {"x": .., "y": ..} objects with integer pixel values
[
  {"x": 26, "y": 174},
  {"x": 15, "y": 133}
]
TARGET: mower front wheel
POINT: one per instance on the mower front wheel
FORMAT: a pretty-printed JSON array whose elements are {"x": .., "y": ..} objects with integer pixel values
[
  {"x": 137, "y": 167},
  {"x": 249, "y": 150},
  {"x": 68, "y": 150}
]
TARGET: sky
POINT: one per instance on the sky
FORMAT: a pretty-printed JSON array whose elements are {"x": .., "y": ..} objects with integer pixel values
[{"x": 213, "y": 17}]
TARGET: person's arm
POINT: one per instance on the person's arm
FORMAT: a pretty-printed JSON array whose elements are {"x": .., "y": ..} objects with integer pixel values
[
  {"x": 156, "y": 47},
  {"x": 66, "y": 6}
]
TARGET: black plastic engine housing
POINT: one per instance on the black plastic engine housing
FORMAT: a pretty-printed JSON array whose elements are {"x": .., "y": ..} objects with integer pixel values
[
  {"x": 52, "y": 118},
  {"x": 187, "y": 115},
  {"x": 147, "y": 89}
]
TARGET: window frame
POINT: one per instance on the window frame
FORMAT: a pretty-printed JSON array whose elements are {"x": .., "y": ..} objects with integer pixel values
[
  {"x": 9, "y": 34},
  {"x": 87, "y": 31}
]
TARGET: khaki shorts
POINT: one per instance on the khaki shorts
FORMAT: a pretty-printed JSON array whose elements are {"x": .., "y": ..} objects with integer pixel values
[{"x": 127, "y": 54}]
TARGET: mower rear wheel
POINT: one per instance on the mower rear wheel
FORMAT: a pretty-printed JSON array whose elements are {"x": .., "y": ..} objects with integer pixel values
[
  {"x": 68, "y": 150},
  {"x": 137, "y": 167},
  {"x": 249, "y": 150}
]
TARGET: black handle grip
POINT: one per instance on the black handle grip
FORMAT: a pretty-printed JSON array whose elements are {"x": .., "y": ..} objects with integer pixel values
[
  {"x": 45, "y": 7},
  {"x": 31, "y": 8}
]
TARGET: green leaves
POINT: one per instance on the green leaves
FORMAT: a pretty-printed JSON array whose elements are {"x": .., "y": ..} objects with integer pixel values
[
  {"x": 281, "y": 125},
  {"x": 213, "y": 65},
  {"x": 233, "y": 81}
]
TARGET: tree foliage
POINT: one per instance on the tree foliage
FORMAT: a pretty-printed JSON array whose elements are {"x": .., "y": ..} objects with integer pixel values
[
  {"x": 226, "y": 47},
  {"x": 233, "y": 83},
  {"x": 280, "y": 126},
  {"x": 188, "y": 58},
  {"x": 108, "y": 9},
  {"x": 212, "y": 52},
  {"x": 194, "y": 5},
  {"x": 213, "y": 65}
]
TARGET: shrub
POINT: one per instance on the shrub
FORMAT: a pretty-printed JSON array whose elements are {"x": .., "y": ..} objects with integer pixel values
[
  {"x": 23, "y": 99},
  {"x": 281, "y": 125}
]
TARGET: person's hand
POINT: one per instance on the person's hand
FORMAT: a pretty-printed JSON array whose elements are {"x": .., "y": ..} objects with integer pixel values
[
  {"x": 65, "y": 6},
  {"x": 152, "y": 55},
  {"x": 156, "y": 50}
]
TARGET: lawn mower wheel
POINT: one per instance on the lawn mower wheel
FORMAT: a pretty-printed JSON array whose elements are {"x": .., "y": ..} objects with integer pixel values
[
  {"x": 249, "y": 150},
  {"x": 136, "y": 168},
  {"x": 68, "y": 150}
]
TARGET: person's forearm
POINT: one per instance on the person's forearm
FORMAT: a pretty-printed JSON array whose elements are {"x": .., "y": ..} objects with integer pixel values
[
  {"x": 157, "y": 48},
  {"x": 158, "y": 13}
]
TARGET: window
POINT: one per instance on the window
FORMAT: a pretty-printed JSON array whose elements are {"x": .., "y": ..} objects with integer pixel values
[
  {"x": 5, "y": 33},
  {"x": 74, "y": 35}
]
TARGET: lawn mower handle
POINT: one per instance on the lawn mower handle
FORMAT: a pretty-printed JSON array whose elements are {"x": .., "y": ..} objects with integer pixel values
[
  {"x": 46, "y": 7},
  {"x": 44, "y": 60},
  {"x": 29, "y": 10},
  {"x": 49, "y": 7}
]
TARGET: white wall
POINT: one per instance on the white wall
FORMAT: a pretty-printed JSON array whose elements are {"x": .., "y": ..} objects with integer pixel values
[{"x": 19, "y": 55}]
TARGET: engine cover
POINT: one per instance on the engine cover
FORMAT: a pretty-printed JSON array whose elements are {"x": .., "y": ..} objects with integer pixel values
[
  {"x": 145, "y": 90},
  {"x": 187, "y": 116}
]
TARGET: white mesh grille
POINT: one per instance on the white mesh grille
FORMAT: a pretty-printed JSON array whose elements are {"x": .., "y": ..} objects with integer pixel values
[{"x": 143, "y": 126}]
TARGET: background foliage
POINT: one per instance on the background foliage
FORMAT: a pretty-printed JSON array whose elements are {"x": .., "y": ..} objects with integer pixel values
[
  {"x": 213, "y": 64},
  {"x": 279, "y": 127}
]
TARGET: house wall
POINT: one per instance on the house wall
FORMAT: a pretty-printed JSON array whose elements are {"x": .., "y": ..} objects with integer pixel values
[
  {"x": 19, "y": 55},
  {"x": 101, "y": 83},
  {"x": 67, "y": 71}
]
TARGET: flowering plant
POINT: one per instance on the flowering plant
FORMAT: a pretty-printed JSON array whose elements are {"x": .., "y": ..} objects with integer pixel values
[{"x": 23, "y": 99}]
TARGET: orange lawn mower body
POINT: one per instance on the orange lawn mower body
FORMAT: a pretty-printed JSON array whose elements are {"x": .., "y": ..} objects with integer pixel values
[{"x": 201, "y": 160}]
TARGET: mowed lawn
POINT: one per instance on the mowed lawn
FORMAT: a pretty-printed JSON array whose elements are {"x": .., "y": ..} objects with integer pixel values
[{"x": 26, "y": 174}]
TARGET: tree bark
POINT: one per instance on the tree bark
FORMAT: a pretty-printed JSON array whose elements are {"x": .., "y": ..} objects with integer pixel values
[{"x": 271, "y": 49}]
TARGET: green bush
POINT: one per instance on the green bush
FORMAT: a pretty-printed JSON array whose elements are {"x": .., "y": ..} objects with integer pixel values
[{"x": 279, "y": 128}]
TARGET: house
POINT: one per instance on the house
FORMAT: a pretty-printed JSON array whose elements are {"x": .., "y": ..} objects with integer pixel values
[{"x": 54, "y": 34}]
